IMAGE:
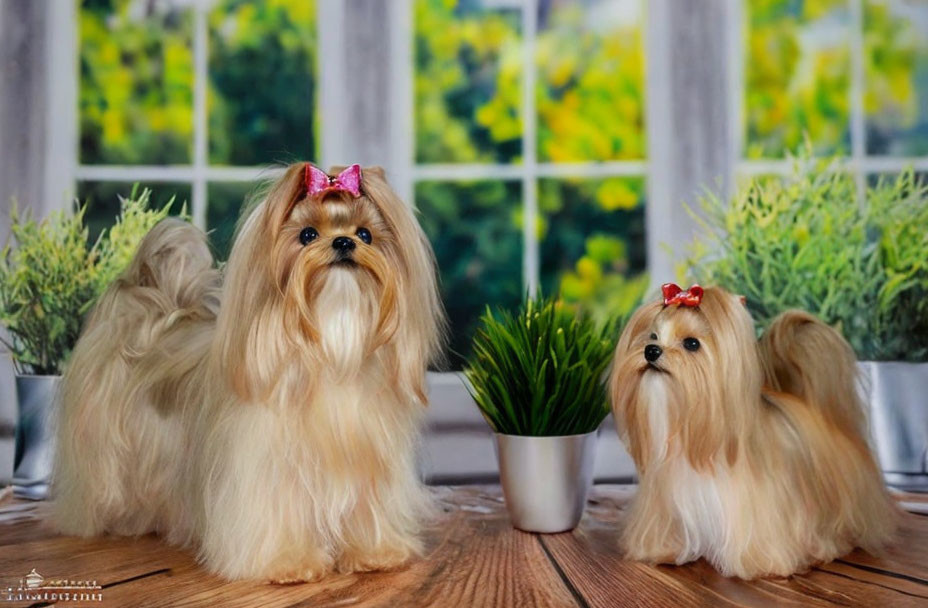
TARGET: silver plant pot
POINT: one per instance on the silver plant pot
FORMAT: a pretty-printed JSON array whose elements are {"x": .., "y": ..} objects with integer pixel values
[
  {"x": 32, "y": 463},
  {"x": 898, "y": 394},
  {"x": 546, "y": 479}
]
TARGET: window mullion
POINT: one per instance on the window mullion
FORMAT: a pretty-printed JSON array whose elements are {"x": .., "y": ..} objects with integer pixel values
[
  {"x": 530, "y": 256},
  {"x": 690, "y": 135},
  {"x": 200, "y": 134},
  {"x": 737, "y": 93},
  {"x": 402, "y": 127},
  {"x": 61, "y": 117},
  {"x": 858, "y": 119}
]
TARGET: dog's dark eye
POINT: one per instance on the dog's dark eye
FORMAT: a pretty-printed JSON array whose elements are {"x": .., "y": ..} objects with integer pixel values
[
  {"x": 652, "y": 337},
  {"x": 691, "y": 344},
  {"x": 308, "y": 235},
  {"x": 365, "y": 235}
]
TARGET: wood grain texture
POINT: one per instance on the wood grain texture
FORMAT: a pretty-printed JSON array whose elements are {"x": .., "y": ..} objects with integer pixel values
[
  {"x": 473, "y": 558},
  {"x": 591, "y": 560}
]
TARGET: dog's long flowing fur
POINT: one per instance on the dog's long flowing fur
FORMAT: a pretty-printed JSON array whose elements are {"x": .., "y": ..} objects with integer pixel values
[
  {"x": 751, "y": 455},
  {"x": 267, "y": 418}
]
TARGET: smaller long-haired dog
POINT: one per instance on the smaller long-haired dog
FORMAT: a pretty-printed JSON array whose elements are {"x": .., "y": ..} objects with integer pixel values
[
  {"x": 752, "y": 455},
  {"x": 266, "y": 418}
]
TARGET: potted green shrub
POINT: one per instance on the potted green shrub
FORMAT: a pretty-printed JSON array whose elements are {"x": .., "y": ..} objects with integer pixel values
[
  {"x": 50, "y": 275},
  {"x": 537, "y": 377},
  {"x": 807, "y": 241}
]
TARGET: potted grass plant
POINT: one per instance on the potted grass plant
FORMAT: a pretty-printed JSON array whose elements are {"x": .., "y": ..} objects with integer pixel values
[
  {"x": 807, "y": 241},
  {"x": 537, "y": 377},
  {"x": 50, "y": 275}
]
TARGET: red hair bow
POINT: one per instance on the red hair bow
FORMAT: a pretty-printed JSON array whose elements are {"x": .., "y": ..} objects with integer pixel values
[
  {"x": 673, "y": 295},
  {"x": 320, "y": 183}
]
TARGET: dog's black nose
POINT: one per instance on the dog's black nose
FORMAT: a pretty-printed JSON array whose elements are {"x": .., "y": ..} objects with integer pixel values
[
  {"x": 652, "y": 352},
  {"x": 343, "y": 244}
]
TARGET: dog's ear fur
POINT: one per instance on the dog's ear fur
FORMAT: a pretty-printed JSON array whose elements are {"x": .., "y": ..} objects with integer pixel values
[
  {"x": 421, "y": 333},
  {"x": 250, "y": 339},
  {"x": 623, "y": 390}
]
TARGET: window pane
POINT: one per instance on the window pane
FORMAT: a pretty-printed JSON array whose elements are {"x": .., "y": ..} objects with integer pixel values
[
  {"x": 226, "y": 201},
  {"x": 136, "y": 82},
  {"x": 592, "y": 242},
  {"x": 590, "y": 91},
  {"x": 896, "y": 85},
  {"x": 468, "y": 63},
  {"x": 102, "y": 200},
  {"x": 475, "y": 229},
  {"x": 797, "y": 76},
  {"x": 262, "y": 81}
]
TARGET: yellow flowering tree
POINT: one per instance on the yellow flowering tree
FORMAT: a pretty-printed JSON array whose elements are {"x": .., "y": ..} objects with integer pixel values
[
  {"x": 136, "y": 84},
  {"x": 589, "y": 98}
]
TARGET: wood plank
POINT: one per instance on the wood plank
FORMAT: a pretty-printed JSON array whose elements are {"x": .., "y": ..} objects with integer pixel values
[
  {"x": 903, "y": 585},
  {"x": 473, "y": 558},
  {"x": 22, "y": 521},
  {"x": 589, "y": 556},
  {"x": 906, "y": 558}
]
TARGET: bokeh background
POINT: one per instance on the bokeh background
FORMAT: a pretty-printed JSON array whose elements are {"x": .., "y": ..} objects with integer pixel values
[{"x": 136, "y": 108}]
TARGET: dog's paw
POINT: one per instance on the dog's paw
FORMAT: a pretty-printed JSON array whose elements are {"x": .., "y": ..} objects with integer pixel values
[
  {"x": 654, "y": 553},
  {"x": 304, "y": 570},
  {"x": 292, "y": 577},
  {"x": 353, "y": 560},
  {"x": 657, "y": 557}
]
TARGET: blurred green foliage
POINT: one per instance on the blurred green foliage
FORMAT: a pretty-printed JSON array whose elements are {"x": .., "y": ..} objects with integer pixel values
[
  {"x": 590, "y": 87},
  {"x": 136, "y": 91},
  {"x": 804, "y": 241},
  {"x": 538, "y": 371},
  {"x": 798, "y": 66},
  {"x": 226, "y": 200},
  {"x": 476, "y": 233},
  {"x": 589, "y": 93},
  {"x": 797, "y": 79},
  {"x": 103, "y": 200},
  {"x": 468, "y": 70},
  {"x": 262, "y": 69},
  {"x": 51, "y": 273},
  {"x": 589, "y": 96},
  {"x": 896, "y": 70},
  {"x": 136, "y": 83},
  {"x": 592, "y": 243}
]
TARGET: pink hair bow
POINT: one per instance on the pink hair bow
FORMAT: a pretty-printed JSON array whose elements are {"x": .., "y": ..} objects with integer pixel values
[
  {"x": 320, "y": 183},
  {"x": 673, "y": 295}
]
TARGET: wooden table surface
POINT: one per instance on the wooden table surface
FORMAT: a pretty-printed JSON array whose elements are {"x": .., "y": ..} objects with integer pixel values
[{"x": 474, "y": 558}]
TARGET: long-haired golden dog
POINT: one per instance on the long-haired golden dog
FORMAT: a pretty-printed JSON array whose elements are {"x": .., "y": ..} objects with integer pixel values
[
  {"x": 268, "y": 418},
  {"x": 751, "y": 455}
]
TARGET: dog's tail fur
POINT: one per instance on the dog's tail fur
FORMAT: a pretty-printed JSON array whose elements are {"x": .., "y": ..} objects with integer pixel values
[
  {"x": 137, "y": 339},
  {"x": 806, "y": 358}
]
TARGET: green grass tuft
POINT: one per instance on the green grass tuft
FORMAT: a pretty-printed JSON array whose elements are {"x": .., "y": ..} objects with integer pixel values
[{"x": 539, "y": 372}]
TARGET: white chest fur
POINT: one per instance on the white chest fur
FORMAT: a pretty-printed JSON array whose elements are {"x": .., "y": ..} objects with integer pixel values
[
  {"x": 699, "y": 500},
  {"x": 344, "y": 316}
]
